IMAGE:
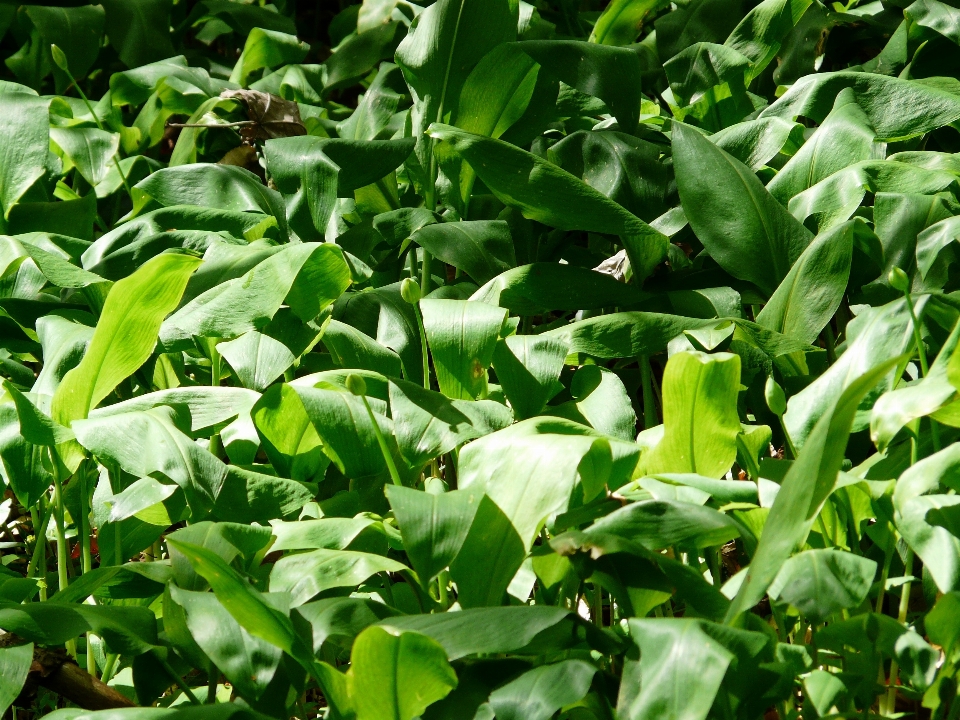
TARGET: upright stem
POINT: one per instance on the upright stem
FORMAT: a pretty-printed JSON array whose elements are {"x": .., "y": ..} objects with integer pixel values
[
  {"x": 212, "y": 682},
  {"x": 176, "y": 679},
  {"x": 902, "y": 619},
  {"x": 423, "y": 346},
  {"x": 388, "y": 458},
  {"x": 649, "y": 405},
  {"x": 63, "y": 580}
]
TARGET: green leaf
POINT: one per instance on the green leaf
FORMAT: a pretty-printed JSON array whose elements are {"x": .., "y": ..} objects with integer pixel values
[
  {"x": 550, "y": 195},
  {"x": 15, "y": 663},
  {"x": 23, "y": 162},
  {"x": 397, "y": 676},
  {"x": 743, "y": 228},
  {"x": 820, "y": 583},
  {"x": 125, "y": 335},
  {"x": 288, "y": 437},
  {"x": 675, "y": 656},
  {"x": 462, "y": 336},
  {"x": 305, "y": 575},
  {"x": 539, "y": 693},
  {"x": 805, "y": 488},
  {"x": 528, "y": 369},
  {"x": 433, "y": 527},
  {"x": 658, "y": 524},
  {"x": 139, "y": 30},
  {"x": 843, "y": 138},
  {"x": 609, "y": 73},
  {"x": 482, "y": 249},
  {"x": 622, "y": 20},
  {"x": 428, "y": 424},
  {"x": 307, "y": 277},
  {"x": 448, "y": 40},
  {"x": 248, "y": 662},
  {"x": 266, "y": 49},
  {"x": 896, "y": 109},
  {"x": 700, "y": 417},
  {"x": 810, "y": 294},
  {"x": 539, "y": 287},
  {"x": 257, "y": 359},
  {"x": 760, "y": 34},
  {"x": 487, "y": 561}
]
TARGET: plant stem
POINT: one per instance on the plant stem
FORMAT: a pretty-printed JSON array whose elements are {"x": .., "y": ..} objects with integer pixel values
[
  {"x": 40, "y": 533},
  {"x": 425, "y": 352},
  {"x": 184, "y": 688},
  {"x": 108, "y": 667},
  {"x": 902, "y": 619},
  {"x": 649, "y": 405},
  {"x": 388, "y": 458},
  {"x": 116, "y": 159},
  {"x": 921, "y": 351},
  {"x": 213, "y": 680}
]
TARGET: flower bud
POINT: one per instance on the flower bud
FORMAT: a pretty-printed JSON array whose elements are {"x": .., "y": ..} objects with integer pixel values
[
  {"x": 356, "y": 385},
  {"x": 776, "y": 400},
  {"x": 898, "y": 280},
  {"x": 59, "y": 58},
  {"x": 410, "y": 291}
]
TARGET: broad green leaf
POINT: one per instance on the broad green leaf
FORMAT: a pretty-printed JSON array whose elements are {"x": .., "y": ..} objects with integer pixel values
[
  {"x": 896, "y": 109},
  {"x": 488, "y": 558},
  {"x": 428, "y": 424},
  {"x": 247, "y": 606},
  {"x": 433, "y": 527},
  {"x": 756, "y": 142},
  {"x": 873, "y": 337},
  {"x": 307, "y": 277},
  {"x": 539, "y": 287},
  {"x": 530, "y": 469},
  {"x": 743, "y": 228},
  {"x": 820, "y": 583},
  {"x": 351, "y": 348},
  {"x": 835, "y": 198},
  {"x": 139, "y": 31},
  {"x": 624, "y": 168},
  {"x": 483, "y": 249},
  {"x": 15, "y": 663},
  {"x": 289, "y": 438},
  {"x": 91, "y": 150},
  {"x": 224, "y": 187},
  {"x": 149, "y": 442},
  {"x": 894, "y": 409},
  {"x": 700, "y": 417},
  {"x": 760, "y": 34},
  {"x": 248, "y": 662},
  {"x": 528, "y": 369},
  {"x": 257, "y": 359},
  {"x": 843, "y": 138},
  {"x": 265, "y": 49},
  {"x": 446, "y": 43},
  {"x": 609, "y": 73},
  {"x": 329, "y": 533},
  {"x": 807, "y": 485},
  {"x": 22, "y": 163},
  {"x": 811, "y": 292},
  {"x": 125, "y": 335},
  {"x": 600, "y": 400},
  {"x": 676, "y": 655},
  {"x": 305, "y": 575},
  {"x": 396, "y": 676},
  {"x": 550, "y": 195},
  {"x": 462, "y": 336},
  {"x": 622, "y": 20},
  {"x": 539, "y": 693},
  {"x": 658, "y": 524}
]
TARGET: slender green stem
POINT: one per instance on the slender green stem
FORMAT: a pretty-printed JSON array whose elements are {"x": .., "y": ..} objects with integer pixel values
[
  {"x": 649, "y": 404},
  {"x": 921, "y": 351},
  {"x": 902, "y": 619},
  {"x": 108, "y": 667},
  {"x": 884, "y": 574},
  {"x": 116, "y": 159},
  {"x": 176, "y": 678},
  {"x": 58, "y": 517},
  {"x": 425, "y": 352},
  {"x": 426, "y": 280},
  {"x": 213, "y": 680},
  {"x": 442, "y": 581},
  {"x": 40, "y": 532},
  {"x": 388, "y": 458}
]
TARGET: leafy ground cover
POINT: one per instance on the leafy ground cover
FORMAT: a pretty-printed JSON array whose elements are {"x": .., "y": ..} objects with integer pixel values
[{"x": 479, "y": 359}]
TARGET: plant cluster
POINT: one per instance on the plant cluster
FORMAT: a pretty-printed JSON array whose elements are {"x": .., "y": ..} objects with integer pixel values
[{"x": 479, "y": 359}]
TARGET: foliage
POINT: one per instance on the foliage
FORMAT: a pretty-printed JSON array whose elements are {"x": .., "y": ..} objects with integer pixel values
[{"x": 480, "y": 359}]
